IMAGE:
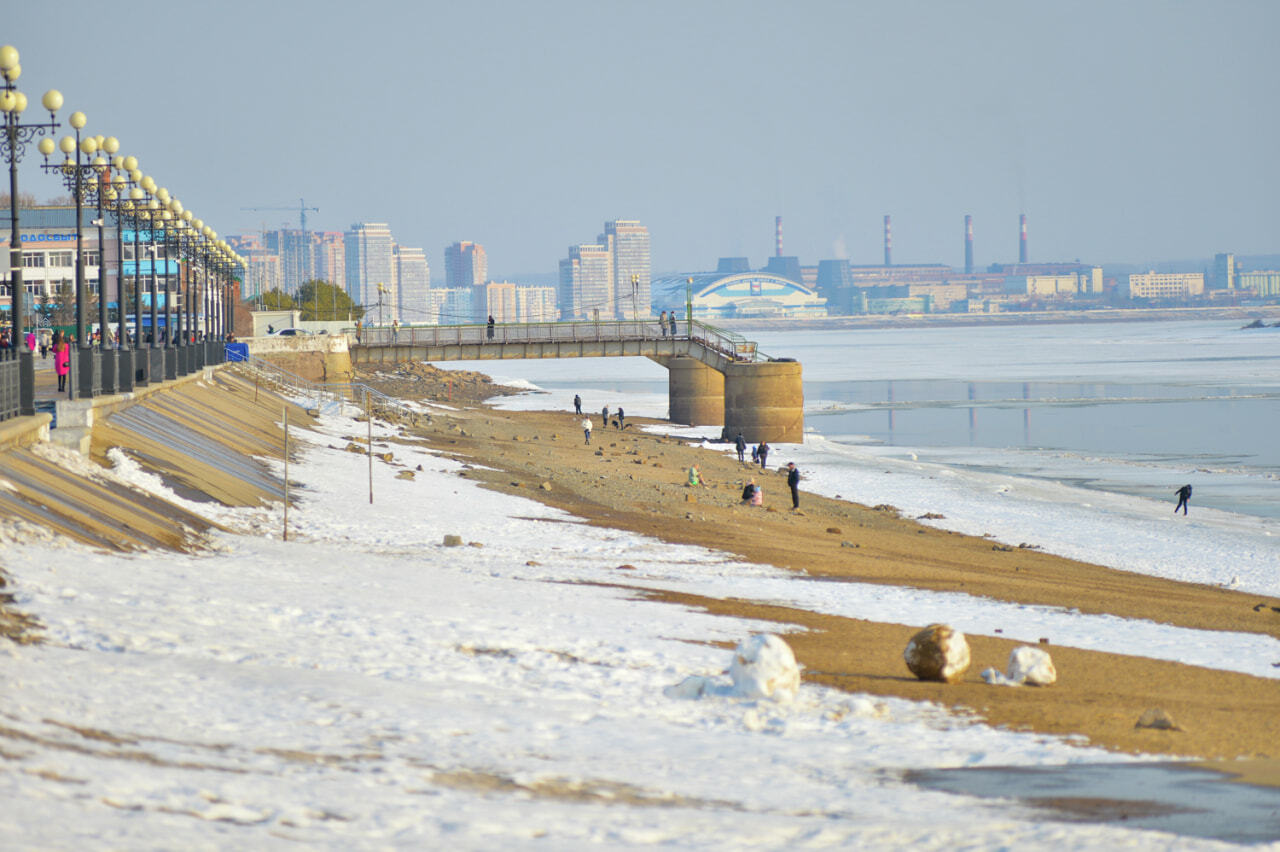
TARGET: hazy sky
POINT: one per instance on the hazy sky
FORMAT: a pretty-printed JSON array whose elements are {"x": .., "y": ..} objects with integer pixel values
[{"x": 1126, "y": 131}]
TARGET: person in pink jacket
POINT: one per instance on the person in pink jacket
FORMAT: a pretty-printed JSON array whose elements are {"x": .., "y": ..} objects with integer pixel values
[{"x": 61, "y": 360}]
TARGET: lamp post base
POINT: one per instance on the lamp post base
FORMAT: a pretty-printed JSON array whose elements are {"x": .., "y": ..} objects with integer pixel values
[
  {"x": 110, "y": 381},
  {"x": 170, "y": 363},
  {"x": 124, "y": 370},
  {"x": 27, "y": 383},
  {"x": 89, "y": 373}
]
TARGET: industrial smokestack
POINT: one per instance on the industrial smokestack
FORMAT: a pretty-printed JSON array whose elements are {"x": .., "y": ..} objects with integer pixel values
[
  {"x": 777, "y": 236},
  {"x": 1022, "y": 238},
  {"x": 888, "y": 243},
  {"x": 968, "y": 244}
]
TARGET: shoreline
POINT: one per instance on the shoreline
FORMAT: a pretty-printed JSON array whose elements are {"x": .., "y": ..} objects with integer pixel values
[
  {"x": 635, "y": 481},
  {"x": 942, "y": 320}
]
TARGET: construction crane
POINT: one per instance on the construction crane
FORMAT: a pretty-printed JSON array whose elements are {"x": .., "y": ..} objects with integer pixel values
[{"x": 302, "y": 209}]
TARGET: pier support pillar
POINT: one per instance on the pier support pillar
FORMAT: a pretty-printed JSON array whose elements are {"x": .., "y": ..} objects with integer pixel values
[
  {"x": 764, "y": 401},
  {"x": 695, "y": 392}
]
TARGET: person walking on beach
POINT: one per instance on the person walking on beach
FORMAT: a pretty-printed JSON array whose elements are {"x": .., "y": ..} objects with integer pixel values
[
  {"x": 604, "y": 417},
  {"x": 619, "y": 422},
  {"x": 577, "y": 404},
  {"x": 740, "y": 443},
  {"x": 763, "y": 452},
  {"x": 61, "y": 360},
  {"x": 1184, "y": 497},
  {"x": 793, "y": 482},
  {"x": 586, "y": 429}
]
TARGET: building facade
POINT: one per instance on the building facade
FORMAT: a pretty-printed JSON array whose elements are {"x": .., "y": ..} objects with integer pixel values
[
  {"x": 369, "y": 256},
  {"x": 465, "y": 265},
  {"x": 586, "y": 283},
  {"x": 1262, "y": 282},
  {"x": 536, "y": 304},
  {"x": 628, "y": 241},
  {"x": 1224, "y": 271},
  {"x": 1164, "y": 285},
  {"x": 413, "y": 282},
  {"x": 716, "y": 296}
]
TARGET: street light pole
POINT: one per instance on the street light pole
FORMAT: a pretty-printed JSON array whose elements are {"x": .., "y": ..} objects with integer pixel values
[{"x": 16, "y": 137}]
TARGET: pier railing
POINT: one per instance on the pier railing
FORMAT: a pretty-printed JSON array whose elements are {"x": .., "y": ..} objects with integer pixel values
[{"x": 732, "y": 346}]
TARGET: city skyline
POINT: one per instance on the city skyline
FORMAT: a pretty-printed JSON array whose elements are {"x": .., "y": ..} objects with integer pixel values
[{"x": 1129, "y": 133}]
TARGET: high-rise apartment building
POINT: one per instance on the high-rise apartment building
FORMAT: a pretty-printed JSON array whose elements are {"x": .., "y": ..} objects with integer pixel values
[
  {"x": 609, "y": 279},
  {"x": 369, "y": 262},
  {"x": 328, "y": 258},
  {"x": 586, "y": 283},
  {"x": 495, "y": 299},
  {"x": 628, "y": 241},
  {"x": 465, "y": 265},
  {"x": 413, "y": 282},
  {"x": 536, "y": 304}
]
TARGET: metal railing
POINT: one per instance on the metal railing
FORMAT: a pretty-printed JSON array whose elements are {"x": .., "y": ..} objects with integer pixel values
[
  {"x": 10, "y": 383},
  {"x": 328, "y": 398},
  {"x": 732, "y": 346}
]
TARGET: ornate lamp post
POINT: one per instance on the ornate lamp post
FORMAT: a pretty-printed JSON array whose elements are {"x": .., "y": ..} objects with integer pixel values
[
  {"x": 74, "y": 174},
  {"x": 19, "y": 383}
]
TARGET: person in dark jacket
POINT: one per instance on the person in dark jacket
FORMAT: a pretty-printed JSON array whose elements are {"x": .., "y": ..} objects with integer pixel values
[
  {"x": 577, "y": 404},
  {"x": 793, "y": 482},
  {"x": 763, "y": 452},
  {"x": 1184, "y": 497},
  {"x": 740, "y": 443}
]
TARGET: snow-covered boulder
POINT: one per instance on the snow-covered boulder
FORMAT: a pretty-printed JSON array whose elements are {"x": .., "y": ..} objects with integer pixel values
[
  {"x": 1027, "y": 664},
  {"x": 1032, "y": 665},
  {"x": 764, "y": 667},
  {"x": 938, "y": 652}
]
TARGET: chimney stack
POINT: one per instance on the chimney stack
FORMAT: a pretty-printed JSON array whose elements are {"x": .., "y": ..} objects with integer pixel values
[
  {"x": 968, "y": 244},
  {"x": 1022, "y": 238},
  {"x": 777, "y": 236},
  {"x": 888, "y": 243}
]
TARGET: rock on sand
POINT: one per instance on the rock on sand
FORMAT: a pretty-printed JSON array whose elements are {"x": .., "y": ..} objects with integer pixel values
[{"x": 939, "y": 652}]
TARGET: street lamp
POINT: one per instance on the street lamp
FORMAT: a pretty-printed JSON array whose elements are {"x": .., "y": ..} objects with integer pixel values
[
  {"x": 74, "y": 172},
  {"x": 16, "y": 136},
  {"x": 382, "y": 288}
]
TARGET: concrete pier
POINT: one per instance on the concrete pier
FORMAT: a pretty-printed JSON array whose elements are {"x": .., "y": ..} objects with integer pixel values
[
  {"x": 764, "y": 401},
  {"x": 695, "y": 392}
]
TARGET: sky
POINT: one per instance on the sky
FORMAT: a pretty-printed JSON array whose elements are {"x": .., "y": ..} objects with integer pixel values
[{"x": 1130, "y": 132}]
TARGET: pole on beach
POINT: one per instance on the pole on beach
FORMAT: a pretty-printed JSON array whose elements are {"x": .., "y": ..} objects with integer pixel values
[
  {"x": 368, "y": 416},
  {"x": 286, "y": 472}
]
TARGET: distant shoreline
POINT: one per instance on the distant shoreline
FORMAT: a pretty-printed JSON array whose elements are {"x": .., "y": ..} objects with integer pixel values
[{"x": 1110, "y": 315}]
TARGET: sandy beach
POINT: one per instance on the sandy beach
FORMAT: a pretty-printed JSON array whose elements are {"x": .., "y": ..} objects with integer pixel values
[{"x": 636, "y": 481}]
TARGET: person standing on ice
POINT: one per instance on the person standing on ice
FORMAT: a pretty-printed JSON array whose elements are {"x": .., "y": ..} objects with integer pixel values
[
  {"x": 586, "y": 429},
  {"x": 740, "y": 443},
  {"x": 1184, "y": 497},
  {"x": 577, "y": 404},
  {"x": 763, "y": 452}
]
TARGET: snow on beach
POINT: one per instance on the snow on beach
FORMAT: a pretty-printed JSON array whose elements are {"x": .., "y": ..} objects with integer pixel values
[{"x": 361, "y": 685}]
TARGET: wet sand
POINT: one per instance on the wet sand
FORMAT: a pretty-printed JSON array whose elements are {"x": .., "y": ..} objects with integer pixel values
[{"x": 636, "y": 481}]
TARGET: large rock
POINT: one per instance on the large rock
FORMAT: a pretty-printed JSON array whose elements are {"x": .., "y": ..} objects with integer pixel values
[
  {"x": 938, "y": 652},
  {"x": 1027, "y": 664},
  {"x": 1032, "y": 665},
  {"x": 764, "y": 667}
]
